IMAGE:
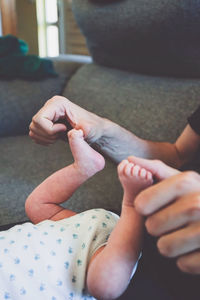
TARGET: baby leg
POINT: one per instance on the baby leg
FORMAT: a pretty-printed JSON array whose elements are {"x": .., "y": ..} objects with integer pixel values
[
  {"x": 133, "y": 179},
  {"x": 87, "y": 161},
  {"x": 44, "y": 202}
]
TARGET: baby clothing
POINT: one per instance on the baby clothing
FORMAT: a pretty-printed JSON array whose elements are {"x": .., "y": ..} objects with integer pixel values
[{"x": 48, "y": 261}]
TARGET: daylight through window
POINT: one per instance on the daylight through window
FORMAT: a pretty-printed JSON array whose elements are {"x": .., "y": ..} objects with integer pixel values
[{"x": 48, "y": 29}]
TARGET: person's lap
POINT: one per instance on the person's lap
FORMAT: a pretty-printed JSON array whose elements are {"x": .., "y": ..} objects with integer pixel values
[{"x": 159, "y": 278}]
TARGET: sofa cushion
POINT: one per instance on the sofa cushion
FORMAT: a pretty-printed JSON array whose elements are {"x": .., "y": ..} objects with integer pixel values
[
  {"x": 153, "y": 37},
  {"x": 154, "y": 108},
  {"x": 21, "y": 99}
]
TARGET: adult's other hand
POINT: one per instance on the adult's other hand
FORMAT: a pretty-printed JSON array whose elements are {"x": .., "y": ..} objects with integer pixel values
[{"x": 172, "y": 208}]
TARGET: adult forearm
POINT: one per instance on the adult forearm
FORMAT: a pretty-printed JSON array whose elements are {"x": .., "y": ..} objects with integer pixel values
[
  {"x": 106, "y": 136},
  {"x": 118, "y": 143}
]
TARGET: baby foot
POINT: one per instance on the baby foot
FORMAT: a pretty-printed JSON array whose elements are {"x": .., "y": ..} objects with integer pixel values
[
  {"x": 79, "y": 118},
  {"x": 134, "y": 179},
  {"x": 86, "y": 159}
]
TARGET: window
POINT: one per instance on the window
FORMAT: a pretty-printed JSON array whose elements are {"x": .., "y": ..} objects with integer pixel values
[
  {"x": 48, "y": 27},
  {"x": 58, "y": 32}
]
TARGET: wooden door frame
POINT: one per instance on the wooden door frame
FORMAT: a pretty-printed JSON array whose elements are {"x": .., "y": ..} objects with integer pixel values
[{"x": 8, "y": 17}]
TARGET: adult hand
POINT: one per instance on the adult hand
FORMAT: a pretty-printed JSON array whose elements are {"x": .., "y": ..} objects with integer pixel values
[
  {"x": 172, "y": 207},
  {"x": 43, "y": 128},
  {"x": 46, "y": 126}
]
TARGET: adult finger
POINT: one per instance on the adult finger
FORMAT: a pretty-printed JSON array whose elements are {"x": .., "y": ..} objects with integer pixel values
[
  {"x": 34, "y": 131},
  {"x": 182, "y": 241},
  {"x": 46, "y": 126},
  {"x": 163, "y": 193},
  {"x": 158, "y": 169},
  {"x": 189, "y": 263},
  {"x": 183, "y": 211},
  {"x": 41, "y": 140}
]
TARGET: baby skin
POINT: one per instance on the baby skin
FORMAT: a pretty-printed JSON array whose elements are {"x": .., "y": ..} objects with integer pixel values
[
  {"x": 44, "y": 202},
  {"x": 87, "y": 161},
  {"x": 111, "y": 266},
  {"x": 116, "y": 262},
  {"x": 133, "y": 179}
]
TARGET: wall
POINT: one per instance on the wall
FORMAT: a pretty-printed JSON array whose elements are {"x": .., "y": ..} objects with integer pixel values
[
  {"x": 8, "y": 17},
  {"x": 27, "y": 24},
  {"x": 74, "y": 40}
]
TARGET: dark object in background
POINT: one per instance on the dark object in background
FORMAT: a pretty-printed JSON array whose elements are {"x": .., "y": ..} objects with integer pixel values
[{"x": 15, "y": 63}]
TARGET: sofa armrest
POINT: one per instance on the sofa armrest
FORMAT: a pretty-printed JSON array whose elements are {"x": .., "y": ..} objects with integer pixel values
[{"x": 21, "y": 99}]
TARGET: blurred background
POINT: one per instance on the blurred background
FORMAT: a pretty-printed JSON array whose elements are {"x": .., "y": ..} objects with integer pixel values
[{"x": 47, "y": 26}]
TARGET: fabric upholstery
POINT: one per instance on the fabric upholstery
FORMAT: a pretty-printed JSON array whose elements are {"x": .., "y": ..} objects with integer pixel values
[
  {"x": 154, "y": 108},
  {"x": 152, "y": 37},
  {"x": 20, "y": 100}
]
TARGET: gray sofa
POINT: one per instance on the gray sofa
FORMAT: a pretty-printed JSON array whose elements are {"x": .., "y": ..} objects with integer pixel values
[
  {"x": 139, "y": 78},
  {"x": 135, "y": 80},
  {"x": 144, "y": 75}
]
